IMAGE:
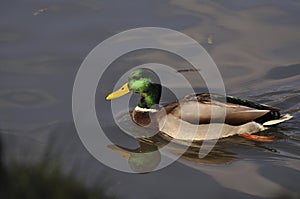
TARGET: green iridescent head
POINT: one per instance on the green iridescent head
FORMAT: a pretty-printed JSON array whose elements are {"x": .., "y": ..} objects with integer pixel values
[{"x": 144, "y": 82}]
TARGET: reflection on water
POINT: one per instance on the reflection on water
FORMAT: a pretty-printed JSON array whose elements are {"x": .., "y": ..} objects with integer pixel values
[
  {"x": 141, "y": 156},
  {"x": 143, "y": 159},
  {"x": 255, "y": 44}
]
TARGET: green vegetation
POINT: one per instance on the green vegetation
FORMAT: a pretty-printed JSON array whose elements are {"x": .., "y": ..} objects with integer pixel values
[{"x": 40, "y": 180}]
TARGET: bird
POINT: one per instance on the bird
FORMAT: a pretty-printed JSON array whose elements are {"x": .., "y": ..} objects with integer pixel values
[{"x": 190, "y": 117}]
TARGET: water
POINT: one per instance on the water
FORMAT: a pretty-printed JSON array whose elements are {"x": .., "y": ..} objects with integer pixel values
[{"x": 254, "y": 44}]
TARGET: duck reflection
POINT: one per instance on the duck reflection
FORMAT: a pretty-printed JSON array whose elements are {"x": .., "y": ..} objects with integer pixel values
[
  {"x": 143, "y": 159},
  {"x": 147, "y": 156}
]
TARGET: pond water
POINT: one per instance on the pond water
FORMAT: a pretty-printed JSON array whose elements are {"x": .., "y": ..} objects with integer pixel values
[{"x": 255, "y": 45}]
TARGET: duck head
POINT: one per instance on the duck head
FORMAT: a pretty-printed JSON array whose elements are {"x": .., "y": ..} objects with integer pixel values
[{"x": 144, "y": 82}]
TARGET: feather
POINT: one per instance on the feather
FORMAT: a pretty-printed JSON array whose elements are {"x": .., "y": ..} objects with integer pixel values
[{"x": 277, "y": 121}]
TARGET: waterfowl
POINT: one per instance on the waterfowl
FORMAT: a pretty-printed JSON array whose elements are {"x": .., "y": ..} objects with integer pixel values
[{"x": 193, "y": 113}]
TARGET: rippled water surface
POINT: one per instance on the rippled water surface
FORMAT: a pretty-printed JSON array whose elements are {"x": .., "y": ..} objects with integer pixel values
[{"x": 255, "y": 45}]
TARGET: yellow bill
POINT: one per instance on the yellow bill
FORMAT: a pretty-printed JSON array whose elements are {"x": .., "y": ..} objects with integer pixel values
[{"x": 118, "y": 93}]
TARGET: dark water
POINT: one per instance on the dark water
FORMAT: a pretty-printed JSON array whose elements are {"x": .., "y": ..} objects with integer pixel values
[{"x": 255, "y": 45}]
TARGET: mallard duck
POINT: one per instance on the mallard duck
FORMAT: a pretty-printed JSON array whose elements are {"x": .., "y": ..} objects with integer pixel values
[{"x": 193, "y": 112}]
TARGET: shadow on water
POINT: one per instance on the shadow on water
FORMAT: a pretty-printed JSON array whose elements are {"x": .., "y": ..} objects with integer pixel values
[{"x": 43, "y": 179}]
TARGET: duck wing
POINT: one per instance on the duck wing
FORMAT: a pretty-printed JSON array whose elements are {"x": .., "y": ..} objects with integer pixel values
[{"x": 198, "y": 108}]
